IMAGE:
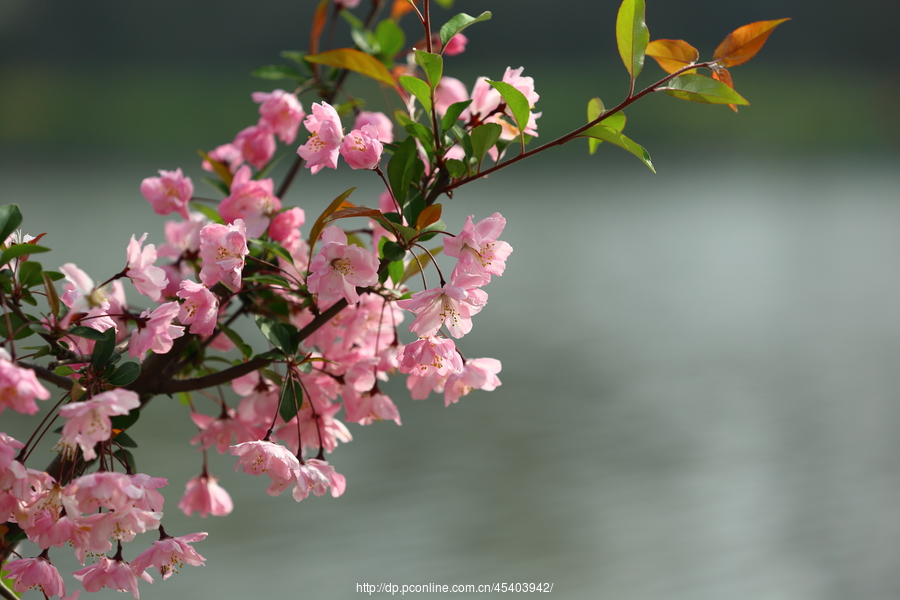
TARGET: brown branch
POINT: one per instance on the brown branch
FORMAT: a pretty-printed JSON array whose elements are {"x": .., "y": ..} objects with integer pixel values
[{"x": 49, "y": 376}]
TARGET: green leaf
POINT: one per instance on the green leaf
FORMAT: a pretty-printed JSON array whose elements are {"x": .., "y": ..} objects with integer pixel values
[
  {"x": 395, "y": 270},
  {"x": 275, "y": 72},
  {"x": 401, "y": 168},
  {"x": 595, "y": 108},
  {"x": 297, "y": 56},
  {"x": 614, "y": 137},
  {"x": 364, "y": 39},
  {"x": 392, "y": 251},
  {"x": 452, "y": 114},
  {"x": 269, "y": 280},
  {"x": 279, "y": 335},
  {"x": 632, "y": 35},
  {"x": 63, "y": 370},
  {"x": 10, "y": 219},
  {"x": 103, "y": 349},
  {"x": 456, "y": 168},
  {"x": 445, "y": 3},
  {"x": 275, "y": 248},
  {"x": 209, "y": 212},
  {"x": 126, "y": 421},
  {"x": 458, "y": 23},
  {"x": 390, "y": 37},
  {"x": 317, "y": 227},
  {"x": 125, "y": 374},
  {"x": 483, "y": 138},
  {"x": 184, "y": 398},
  {"x": 516, "y": 101},
  {"x": 126, "y": 457},
  {"x": 17, "y": 250},
  {"x": 124, "y": 440},
  {"x": 699, "y": 88},
  {"x": 271, "y": 355},
  {"x": 353, "y": 60},
  {"x": 432, "y": 64},
  {"x": 87, "y": 333},
  {"x": 18, "y": 325},
  {"x": 291, "y": 399},
  {"x": 30, "y": 274},
  {"x": 244, "y": 348},
  {"x": 464, "y": 139},
  {"x": 419, "y": 89}
]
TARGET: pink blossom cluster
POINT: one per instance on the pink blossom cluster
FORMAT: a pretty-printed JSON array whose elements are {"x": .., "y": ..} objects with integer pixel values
[
  {"x": 361, "y": 148},
  {"x": 90, "y": 512}
]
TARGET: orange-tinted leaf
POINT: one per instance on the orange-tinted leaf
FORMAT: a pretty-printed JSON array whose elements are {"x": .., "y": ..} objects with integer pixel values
[
  {"x": 722, "y": 74},
  {"x": 743, "y": 43},
  {"x": 400, "y": 8},
  {"x": 336, "y": 204},
  {"x": 220, "y": 168},
  {"x": 319, "y": 18},
  {"x": 354, "y": 60},
  {"x": 353, "y": 211},
  {"x": 672, "y": 55},
  {"x": 430, "y": 214}
]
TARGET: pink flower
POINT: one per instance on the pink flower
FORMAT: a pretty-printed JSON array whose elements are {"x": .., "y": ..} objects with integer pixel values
[
  {"x": 218, "y": 431},
  {"x": 347, "y": 3},
  {"x": 380, "y": 120},
  {"x": 250, "y": 200},
  {"x": 200, "y": 308},
  {"x": 168, "y": 554},
  {"x": 223, "y": 248},
  {"x": 361, "y": 148},
  {"x": 338, "y": 269},
  {"x": 317, "y": 476},
  {"x": 281, "y": 112},
  {"x": 450, "y": 305},
  {"x": 485, "y": 100},
  {"x": 170, "y": 192},
  {"x": 102, "y": 489},
  {"x": 286, "y": 225},
  {"x": 88, "y": 421},
  {"x": 19, "y": 387},
  {"x": 523, "y": 84},
  {"x": 155, "y": 331},
  {"x": 430, "y": 356},
  {"x": 85, "y": 297},
  {"x": 477, "y": 374},
  {"x": 456, "y": 45},
  {"x": 257, "y": 145},
  {"x": 203, "y": 494},
  {"x": 449, "y": 91},
  {"x": 367, "y": 407},
  {"x": 183, "y": 236},
  {"x": 479, "y": 251},
  {"x": 112, "y": 573},
  {"x": 29, "y": 573},
  {"x": 227, "y": 154},
  {"x": 148, "y": 280},
  {"x": 274, "y": 460},
  {"x": 322, "y": 147}
]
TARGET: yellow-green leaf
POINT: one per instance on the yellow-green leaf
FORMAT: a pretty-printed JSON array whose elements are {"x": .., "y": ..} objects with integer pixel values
[
  {"x": 353, "y": 60},
  {"x": 632, "y": 35}
]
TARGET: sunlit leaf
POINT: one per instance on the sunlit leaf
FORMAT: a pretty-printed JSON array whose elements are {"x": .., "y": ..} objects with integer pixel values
[
  {"x": 632, "y": 35},
  {"x": 432, "y": 64},
  {"x": 18, "y": 250},
  {"x": 430, "y": 214},
  {"x": 722, "y": 74},
  {"x": 516, "y": 101},
  {"x": 594, "y": 109},
  {"x": 337, "y": 203},
  {"x": 353, "y": 60},
  {"x": 672, "y": 55},
  {"x": 453, "y": 113},
  {"x": 419, "y": 89},
  {"x": 483, "y": 139},
  {"x": 456, "y": 168},
  {"x": 460, "y": 22},
  {"x": 743, "y": 43},
  {"x": 280, "y": 335},
  {"x": 699, "y": 88},
  {"x": 615, "y": 137}
]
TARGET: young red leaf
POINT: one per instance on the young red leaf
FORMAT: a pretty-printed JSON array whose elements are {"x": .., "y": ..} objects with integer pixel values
[
  {"x": 722, "y": 74},
  {"x": 336, "y": 204},
  {"x": 743, "y": 43},
  {"x": 318, "y": 26},
  {"x": 354, "y": 60},
  {"x": 672, "y": 55},
  {"x": 430, "y": 214},
  {"x": 401, "y": 7}
]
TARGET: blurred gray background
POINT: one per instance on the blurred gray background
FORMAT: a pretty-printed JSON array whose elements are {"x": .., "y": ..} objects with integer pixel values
[{"x": 700, "y": 394}]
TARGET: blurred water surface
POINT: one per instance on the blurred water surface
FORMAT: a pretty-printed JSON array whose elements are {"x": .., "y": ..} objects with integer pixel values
[{"x": 700, "y": 395}]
